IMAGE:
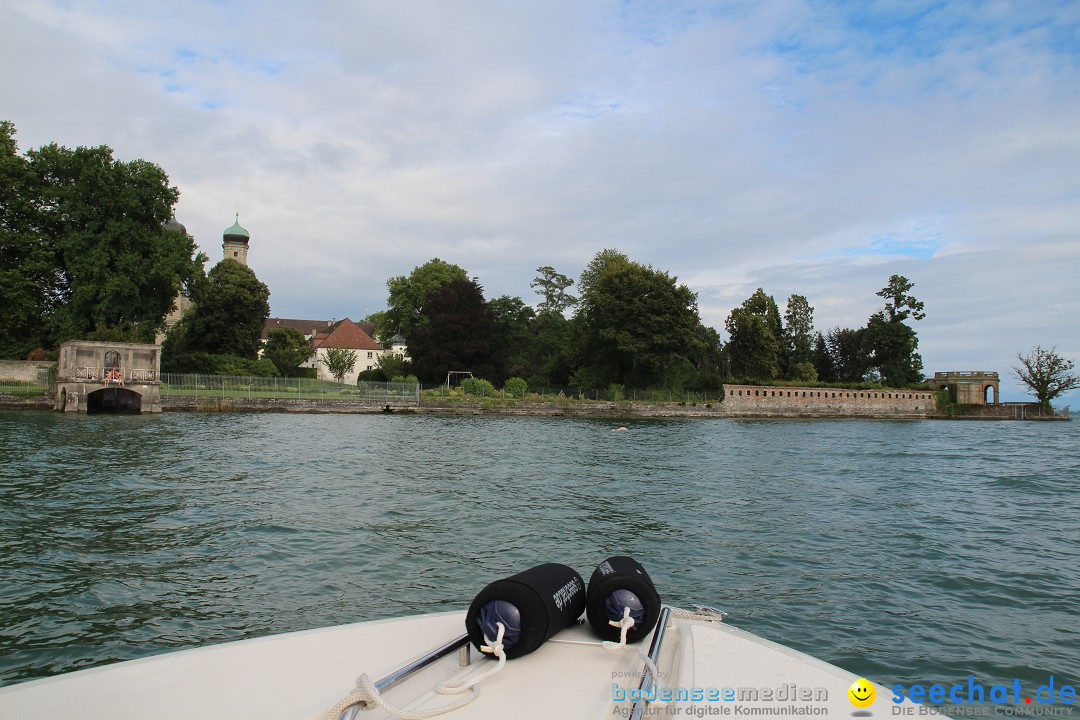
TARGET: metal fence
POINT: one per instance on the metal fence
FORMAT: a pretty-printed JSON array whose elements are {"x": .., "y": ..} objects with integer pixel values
[
  {"x": 228, "y": 386},
  {"x": 25, "y": 389}
]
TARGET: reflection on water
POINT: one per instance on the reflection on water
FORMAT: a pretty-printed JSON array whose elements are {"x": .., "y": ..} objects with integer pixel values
[{"x": 903, "y": 551}]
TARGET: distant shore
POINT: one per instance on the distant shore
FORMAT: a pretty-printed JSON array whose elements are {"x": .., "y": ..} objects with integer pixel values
[{"x": 535, "y": 408}]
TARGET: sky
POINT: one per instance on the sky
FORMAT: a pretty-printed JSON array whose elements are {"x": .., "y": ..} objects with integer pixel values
[{"x": 801, "y": 146}]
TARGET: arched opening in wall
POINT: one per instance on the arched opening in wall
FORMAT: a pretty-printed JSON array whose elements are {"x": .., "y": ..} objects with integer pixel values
[
  {"x": 117, "y": 400},
  {"x": 989, "y": 395}
]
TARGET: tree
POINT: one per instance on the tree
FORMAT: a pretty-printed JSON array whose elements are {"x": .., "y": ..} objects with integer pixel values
[
  {"x": 892, "y": 343},
  {"x": 899, "y": 304},
  {"x": 1046, "y": 374},
  {"x": 377, "y": 319},
  {"x": 84, "y": 247},
  {"x": 848, "y": 354},
  {"x": 822, "y": 360},
  {"x": 551, "y": 352},
  {"x": 287, "y": 349},
  {"x": 339, "y": 361},
  {"x": 462, "y": 334},
  {"x": 392, "y": 366},
  {"x": 892, "y": 346},
  {"x": 408, "y": 294},
  {"x": 27, "y": 258},
  {"x": 799, "y": 335},
  {"x": 754, "y": 349},
  {"x": 551, "y": 286},
  {"x": 228, "y": 317},
  {"x": 708, "y": 360},
  {"x": 634, "y": 325},
  {"x": 515, "y": 320}
]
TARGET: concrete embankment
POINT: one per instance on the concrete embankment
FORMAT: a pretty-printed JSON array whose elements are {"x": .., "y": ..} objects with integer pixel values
[
  {"x": 733, "y": 406},
  {"x": 740, "y": 401}
]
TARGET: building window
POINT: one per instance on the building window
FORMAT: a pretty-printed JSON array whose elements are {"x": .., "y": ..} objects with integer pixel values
[{"x": 369, "y": 356}]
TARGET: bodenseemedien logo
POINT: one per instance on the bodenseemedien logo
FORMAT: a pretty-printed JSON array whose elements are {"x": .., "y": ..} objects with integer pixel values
[{"x": 862, "y": 693}]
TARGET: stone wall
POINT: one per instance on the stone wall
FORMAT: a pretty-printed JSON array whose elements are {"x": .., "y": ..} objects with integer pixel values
[
  {"x": 768, "y": 402},
  {"x": 30, "y": 371},
  {"x": 174, "y": 403},
  {"x": 758, "y": 401}
]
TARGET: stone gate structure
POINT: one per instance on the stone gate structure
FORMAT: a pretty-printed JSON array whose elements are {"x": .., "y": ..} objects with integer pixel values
[
  {"x": 969, "y": 387},
  {"x": 108, "y": 377}
]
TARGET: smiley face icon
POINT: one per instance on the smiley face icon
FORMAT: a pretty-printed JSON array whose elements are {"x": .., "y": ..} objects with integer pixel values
[{"x": 862, "y": 693}]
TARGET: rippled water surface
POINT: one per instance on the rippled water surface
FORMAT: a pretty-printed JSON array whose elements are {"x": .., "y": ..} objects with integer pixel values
[{"x": 919, "y": 551}]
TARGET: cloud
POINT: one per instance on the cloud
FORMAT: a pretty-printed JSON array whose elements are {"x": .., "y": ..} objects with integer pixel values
[{"x": 800, "y": 146}]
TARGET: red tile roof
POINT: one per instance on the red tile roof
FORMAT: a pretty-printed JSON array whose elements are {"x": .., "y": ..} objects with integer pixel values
[
  {"x": 306, "y": 327},
  {"x": 345, "y": 334}
]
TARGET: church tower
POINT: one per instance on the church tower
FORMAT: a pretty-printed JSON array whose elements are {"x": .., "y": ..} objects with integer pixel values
[{"x": 235, "y": 242}]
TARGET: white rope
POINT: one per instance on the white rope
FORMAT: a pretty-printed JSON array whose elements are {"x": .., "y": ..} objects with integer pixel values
[
  {"x": 706, "y": 614},
  {"x": 454, "y": 687},
  {"x": 366, "y": 692},
  {"x": 624, "y": 624}
]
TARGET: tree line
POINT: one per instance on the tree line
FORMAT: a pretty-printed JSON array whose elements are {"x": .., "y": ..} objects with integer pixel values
[
  {"x": 633, "y": 326},
  {"x": 87, "y": 251}
]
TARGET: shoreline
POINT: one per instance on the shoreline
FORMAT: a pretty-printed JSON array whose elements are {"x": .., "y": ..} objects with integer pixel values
[{"x": 505, "y": 408}]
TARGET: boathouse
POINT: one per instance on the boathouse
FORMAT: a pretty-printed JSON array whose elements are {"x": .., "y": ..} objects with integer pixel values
[{"x": 108, "y": 377}]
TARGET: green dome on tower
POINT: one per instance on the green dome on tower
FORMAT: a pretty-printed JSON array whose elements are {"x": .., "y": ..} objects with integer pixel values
[{"x": 236, "y": 229}]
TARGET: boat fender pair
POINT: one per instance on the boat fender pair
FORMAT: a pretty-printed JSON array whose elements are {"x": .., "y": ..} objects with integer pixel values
[{"x": 535, "y": 604}]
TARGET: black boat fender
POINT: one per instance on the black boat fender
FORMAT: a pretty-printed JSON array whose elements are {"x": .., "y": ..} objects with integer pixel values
[
  {"x": 532, "y": 606},
  {"x": 619, "y": 583}
]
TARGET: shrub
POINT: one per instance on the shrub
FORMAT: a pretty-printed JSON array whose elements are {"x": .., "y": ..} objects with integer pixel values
[
  {"x": 515, "y": 387},
  {"x": 804, "y": 372},
  {"x": 478, "y": 387},
  {"x": 617, "y": 391}
]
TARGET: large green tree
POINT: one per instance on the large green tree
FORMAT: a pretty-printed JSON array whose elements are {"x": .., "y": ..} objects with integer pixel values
[
  {"x": 287, "y": 348},
  {"x": 408, "y": 294},
  {"x": 27, "y": 257},
  {"x": 84, "y": 247},
  {"x": 515, "y": 320},
  {"x": 634, "y": 325},
  {"x": 550, "y": 352},
  {"x": 462, "y": 333},
  {"x": 755, "y": 349},
  {"x": 849, "y": 355},
  {"x": 893, "y": 342},
  {"x": 799, "y": 338},
  {"x": 230, "y": 311}
]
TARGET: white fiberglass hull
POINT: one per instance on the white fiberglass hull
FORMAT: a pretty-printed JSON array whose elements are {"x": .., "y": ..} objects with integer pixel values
[{"x": 719, "y": 668}]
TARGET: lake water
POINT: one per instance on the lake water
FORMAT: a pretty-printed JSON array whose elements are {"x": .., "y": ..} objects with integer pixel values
[{"x": 906, "y": 551}]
